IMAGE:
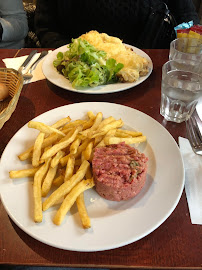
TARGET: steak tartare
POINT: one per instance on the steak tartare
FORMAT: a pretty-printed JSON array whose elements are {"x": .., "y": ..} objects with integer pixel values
[{"x": 119, "y": 171}]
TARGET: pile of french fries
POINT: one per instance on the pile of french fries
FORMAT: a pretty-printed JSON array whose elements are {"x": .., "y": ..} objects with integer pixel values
[{"x": 61, "y": 159}]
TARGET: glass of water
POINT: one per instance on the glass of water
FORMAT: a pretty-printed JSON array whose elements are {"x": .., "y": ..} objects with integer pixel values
[{"x": 181, "y": 88}]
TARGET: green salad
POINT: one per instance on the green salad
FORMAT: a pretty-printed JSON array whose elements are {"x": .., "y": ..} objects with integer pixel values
[{"x": 83, "y": 65}]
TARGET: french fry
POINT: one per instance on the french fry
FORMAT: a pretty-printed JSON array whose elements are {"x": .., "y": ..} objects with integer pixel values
[
  {"x": 44, "y": 128},
  {"x": 109, "y": 134},
  {"x": 105, "y": 122},
  {"x": 37, "y": 149},
  {"x": 47, "y": 141},
  {"x": 98, "y": 120},
  {"x": 51, "y": 139},
  {"x": 88, "y": 173},
  {"x": 61, "y": 122},
  {"x": 106, "y": 128},
  {"x": 23, "y": 173},
  {"x": 88, "y": 151},
  {"x": 87, "y": 125},
  {"x": 63, "y": 161},
  {"x": 69, "y": 168},
  {"x": 71, "y": 198},
  {"x": 38, "y": 177},
  {"x": 123, "y": 132},
  {"x": 97, "y": 140},
  {"x": 58, "y": 181},
  {"x": 114, "y": 124},
  {"x": 67, "y": 135},
  {"x": 66, "y": 186},
  {"x": 26, "y": 154},
  {"x": 82, "y": 147},
  {"x": 83, "y": 211},
  {"x": 115, "y": 140},
  {"x": 78, "y": 162},
  {"x": 47, "y": 183},
  {"x": 91, "y": 115},
  {"x": 73, "y": 124},
  {"x": 96, "y": 123},
  {"x": 74, "y": 146},
  {"x": 56, "y": 159},
  {"x": 82, "y": 157},
  {"x": 59, "y": 146},
  {"x": 101, "y": 143},
  {"x": 122, "y": 135}
]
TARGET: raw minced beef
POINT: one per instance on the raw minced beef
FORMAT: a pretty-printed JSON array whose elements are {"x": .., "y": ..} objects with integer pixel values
[{"x": 119, "y": 171}]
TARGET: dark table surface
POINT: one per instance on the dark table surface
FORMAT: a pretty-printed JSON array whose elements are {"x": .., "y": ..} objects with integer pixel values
[{"x": 176, "y": 244}]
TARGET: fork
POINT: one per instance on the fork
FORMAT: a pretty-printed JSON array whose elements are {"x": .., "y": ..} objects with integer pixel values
[
  {"x": 194, "y": 135},
  {"x": 28, "y": 75}
]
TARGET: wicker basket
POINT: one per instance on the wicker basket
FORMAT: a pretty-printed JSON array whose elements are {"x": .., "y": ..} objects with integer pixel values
[{"x": 14, "y": 81}]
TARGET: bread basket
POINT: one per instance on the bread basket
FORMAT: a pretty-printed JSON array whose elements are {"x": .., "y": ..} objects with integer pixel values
[{"x": 14, "y": 81}]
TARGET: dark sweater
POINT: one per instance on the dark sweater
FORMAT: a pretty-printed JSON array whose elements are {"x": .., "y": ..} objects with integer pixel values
[{"x": 58, "y": 21}]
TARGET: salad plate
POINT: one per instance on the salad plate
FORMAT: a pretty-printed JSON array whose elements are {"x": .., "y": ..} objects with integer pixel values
[
  {"x": 114, "y": 224},
  {"x": 51, "y": 74}
]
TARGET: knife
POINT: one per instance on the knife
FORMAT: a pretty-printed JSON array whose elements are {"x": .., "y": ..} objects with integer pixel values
[
  {"x": 42, "y": 54},
  {"x": 24, "y": 64}
]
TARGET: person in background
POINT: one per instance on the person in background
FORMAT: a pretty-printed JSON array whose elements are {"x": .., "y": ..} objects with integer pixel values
[
  {"x": 58, "y": 21},
  {"x": 13, "y": 24}
]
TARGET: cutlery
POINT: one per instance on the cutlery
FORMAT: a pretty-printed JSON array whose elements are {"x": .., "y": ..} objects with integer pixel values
[
  {"x": 24, "y": 64},
  {"x": 28, "y": 74},
  {"x": 194, "y": 135}
]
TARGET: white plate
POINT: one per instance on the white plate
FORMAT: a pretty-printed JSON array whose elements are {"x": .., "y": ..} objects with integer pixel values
[
  {"x": 114, "y": 224},
  {"x": 53, "y": 76}
]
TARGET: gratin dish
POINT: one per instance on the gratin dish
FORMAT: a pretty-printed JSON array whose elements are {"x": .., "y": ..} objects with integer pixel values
[{"x": 14, "y": 81}]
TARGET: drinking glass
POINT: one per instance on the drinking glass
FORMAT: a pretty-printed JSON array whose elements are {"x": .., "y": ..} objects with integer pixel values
[
  {"x": 186, "y": 49},
  {"x": 181, "y": 88}
]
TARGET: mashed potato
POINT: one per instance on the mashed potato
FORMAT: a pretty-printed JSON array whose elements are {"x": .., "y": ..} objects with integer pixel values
[{"x": 134, "y": 64}]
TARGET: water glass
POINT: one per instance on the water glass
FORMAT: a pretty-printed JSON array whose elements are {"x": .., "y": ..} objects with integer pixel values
[{"x": 181, "y": 88}]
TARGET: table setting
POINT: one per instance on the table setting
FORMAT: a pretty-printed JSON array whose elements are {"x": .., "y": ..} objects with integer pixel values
[
  {"x": 185, "y": 60},
  {"x": 32, "y": 67},
  {"x": 158, "y": 228}
]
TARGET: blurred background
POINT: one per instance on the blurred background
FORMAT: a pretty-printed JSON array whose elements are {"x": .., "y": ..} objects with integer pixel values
[{"x": 30, "y": 6}]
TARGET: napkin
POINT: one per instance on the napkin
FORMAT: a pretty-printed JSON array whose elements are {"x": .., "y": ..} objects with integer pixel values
[
  {"x": 37, "y": 72},
  {"x": 193, "y": 180}
]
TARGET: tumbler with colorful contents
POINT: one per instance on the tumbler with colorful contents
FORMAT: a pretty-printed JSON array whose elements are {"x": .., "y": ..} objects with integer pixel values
[
  {"x": 186, "y": 48},
  {"x": 181, "y": 89},
  {"x": 188, "y": 45},
  {"x": 194, "y": 31}
]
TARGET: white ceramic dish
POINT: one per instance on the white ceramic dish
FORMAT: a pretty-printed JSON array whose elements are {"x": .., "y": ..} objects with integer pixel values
[
  {"x": 53, "y": 76},
  {"x": 114, "y": 224}
]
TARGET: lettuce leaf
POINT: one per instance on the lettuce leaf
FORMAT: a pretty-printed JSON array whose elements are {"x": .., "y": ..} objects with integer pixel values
[{"x": 86, "y": 66}]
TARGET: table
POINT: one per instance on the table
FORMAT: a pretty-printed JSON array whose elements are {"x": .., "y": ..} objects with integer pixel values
[{"x": 176, "y": 244}]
